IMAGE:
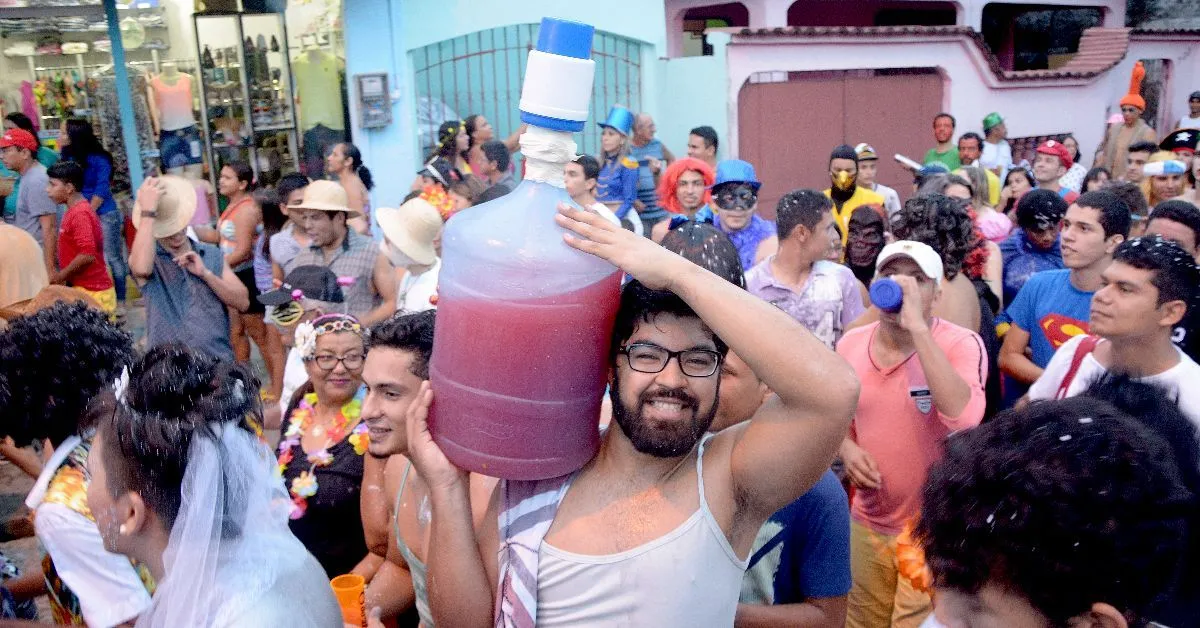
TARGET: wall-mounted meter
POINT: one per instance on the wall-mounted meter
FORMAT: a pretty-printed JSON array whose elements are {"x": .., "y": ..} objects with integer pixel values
[{"x": 374, "y": 100}]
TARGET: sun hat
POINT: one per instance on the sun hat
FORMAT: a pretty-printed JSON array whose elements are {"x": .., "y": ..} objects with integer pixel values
[
  {"x": 412, "y": 228},
  {"x": 326, "y": 196},
  {"x": 176, "y": 206}
]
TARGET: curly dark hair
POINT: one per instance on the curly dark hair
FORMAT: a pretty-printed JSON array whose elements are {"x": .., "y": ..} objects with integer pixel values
[
  {"x": 52, "y": 364},
  {"x": 1064, "y": 503},
  {"x": 708, "y": 247},
  {"x": 174, "y": 396},
  {"x": 941, "y": 222}
]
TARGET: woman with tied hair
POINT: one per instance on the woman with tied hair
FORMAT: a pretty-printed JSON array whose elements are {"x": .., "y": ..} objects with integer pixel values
[
  {"x": 345, "y": 164},
  {"x": 182, "y": 482},
  {"x": 324, "y": 439}
]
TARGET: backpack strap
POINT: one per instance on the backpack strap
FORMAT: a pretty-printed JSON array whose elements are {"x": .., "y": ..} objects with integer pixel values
[{"x": 1086, "y": 346}]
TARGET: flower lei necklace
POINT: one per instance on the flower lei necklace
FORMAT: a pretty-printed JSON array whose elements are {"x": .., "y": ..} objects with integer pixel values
[{"x": 299, "y": 423}]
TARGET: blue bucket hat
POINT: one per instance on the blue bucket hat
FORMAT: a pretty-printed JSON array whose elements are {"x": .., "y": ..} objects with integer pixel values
[
  {"x": 620, "y": 119},
  {"x": 736, "y": 171}
]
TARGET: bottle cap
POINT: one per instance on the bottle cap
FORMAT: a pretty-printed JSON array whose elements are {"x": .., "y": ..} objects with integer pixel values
[
  {"x": 887, "y": 295},
  {"x": 558, "y": 76},
  {"x": 565, "y": 38}
]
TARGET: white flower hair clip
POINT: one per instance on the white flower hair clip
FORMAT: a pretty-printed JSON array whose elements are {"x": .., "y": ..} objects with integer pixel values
[
  {"x": 306, "y": 339},
  {"x": 121, "y": 384}
]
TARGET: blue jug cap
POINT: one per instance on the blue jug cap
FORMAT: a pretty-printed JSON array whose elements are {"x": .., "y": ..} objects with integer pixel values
[
  {"x": 565, "y": 38},
  {"x": 887, "y": 295}
]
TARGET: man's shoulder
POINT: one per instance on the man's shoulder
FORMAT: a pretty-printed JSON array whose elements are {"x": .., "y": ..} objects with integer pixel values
[
  {"x": 1049, "y": 279},
  {"x": 833, "y": 269},
  {"x": 824, "y": 496},
  {"x": 760, "y": 275},
  {"x": 948, "y": 334},
  {"x": 35, "y": 172},
  {"x": 856, "y": 339},
  {"x": 870, "y": 196}
]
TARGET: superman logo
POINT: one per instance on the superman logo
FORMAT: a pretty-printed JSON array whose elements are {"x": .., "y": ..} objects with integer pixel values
[{"x": 1058, "y": 328}]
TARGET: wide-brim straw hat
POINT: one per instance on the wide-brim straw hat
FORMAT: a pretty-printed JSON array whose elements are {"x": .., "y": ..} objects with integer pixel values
[
  {"x": 326, "y": 196},
  {"x": 176, "y": 206},
  {"x": 412, "y": 228}
]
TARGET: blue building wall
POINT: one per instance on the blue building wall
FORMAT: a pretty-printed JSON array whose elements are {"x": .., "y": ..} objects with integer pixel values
[{"x": 473, "y": 52}]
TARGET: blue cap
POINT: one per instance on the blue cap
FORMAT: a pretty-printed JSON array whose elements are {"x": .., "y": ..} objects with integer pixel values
[
  {"x": 887, "y": 295},
  {"x": 620, "y": 119},
  {"x": 565, "y": 38},
  {"x": 736, "y": 171}
]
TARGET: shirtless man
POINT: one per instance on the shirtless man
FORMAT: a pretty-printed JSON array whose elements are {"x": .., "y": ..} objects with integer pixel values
[
  {"x": 395, "y": 498},
  {"x": 656, "y": 529}
]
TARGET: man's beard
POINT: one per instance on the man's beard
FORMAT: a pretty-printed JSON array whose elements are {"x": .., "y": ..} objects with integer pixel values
[{"x": 674, "y": 440}]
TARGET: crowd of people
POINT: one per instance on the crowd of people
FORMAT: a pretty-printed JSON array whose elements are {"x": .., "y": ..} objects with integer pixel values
[{"x": 1009, "y": 439}]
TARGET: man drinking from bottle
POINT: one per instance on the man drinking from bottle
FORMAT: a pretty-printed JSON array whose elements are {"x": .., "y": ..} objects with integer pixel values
[{"x": 922, "y": 378}]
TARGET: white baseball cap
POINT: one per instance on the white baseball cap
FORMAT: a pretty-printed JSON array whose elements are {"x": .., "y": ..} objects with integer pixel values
[{"x": 926, "y": 258}]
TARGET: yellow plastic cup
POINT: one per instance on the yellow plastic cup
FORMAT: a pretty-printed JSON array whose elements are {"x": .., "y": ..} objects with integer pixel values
[{"x": 349, "y": 591}]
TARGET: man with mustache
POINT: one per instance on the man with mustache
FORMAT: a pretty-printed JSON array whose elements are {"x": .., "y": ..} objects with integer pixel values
[
  {"x": 922, "y": 378},
  {"x": 657, "y": 528},
  {"x": 1053, "y": 305}
]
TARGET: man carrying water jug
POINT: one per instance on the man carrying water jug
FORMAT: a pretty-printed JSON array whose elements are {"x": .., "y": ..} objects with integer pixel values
[
  {"x": 656, "y": 529},
  {"x": 922, "y": 379}
]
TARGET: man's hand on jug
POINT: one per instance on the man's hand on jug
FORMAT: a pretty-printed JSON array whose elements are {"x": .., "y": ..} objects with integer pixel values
[
  {"x": 644, "y": 260},
  {"x": 431, "y": 463}
]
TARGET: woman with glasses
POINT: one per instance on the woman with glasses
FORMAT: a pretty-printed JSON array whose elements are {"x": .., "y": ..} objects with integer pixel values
[{"x": 323, "y": 442}]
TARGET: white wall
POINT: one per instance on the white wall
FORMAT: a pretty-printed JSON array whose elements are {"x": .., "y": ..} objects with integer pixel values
[{"x": 1079, "y": 106}]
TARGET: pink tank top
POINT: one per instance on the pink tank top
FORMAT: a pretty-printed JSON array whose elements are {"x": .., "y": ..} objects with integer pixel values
[{"x": 174, "y": 103}]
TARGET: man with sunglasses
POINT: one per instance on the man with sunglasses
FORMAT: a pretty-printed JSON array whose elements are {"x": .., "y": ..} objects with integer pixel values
[
  {"x": 922, "y": 379},
  {"x": 735, "y": 195}
]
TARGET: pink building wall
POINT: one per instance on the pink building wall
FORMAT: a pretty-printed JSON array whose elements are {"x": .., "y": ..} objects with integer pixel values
[
  {"x": 773, "y": 13},
  {"x": 972, "y": 90}
]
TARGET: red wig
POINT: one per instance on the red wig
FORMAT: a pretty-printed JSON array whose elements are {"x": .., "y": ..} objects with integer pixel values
[{"x": 670, "y": 180}]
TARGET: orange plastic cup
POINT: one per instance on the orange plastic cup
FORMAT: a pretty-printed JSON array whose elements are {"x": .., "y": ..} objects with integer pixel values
[{"x": 349, "y": 591}]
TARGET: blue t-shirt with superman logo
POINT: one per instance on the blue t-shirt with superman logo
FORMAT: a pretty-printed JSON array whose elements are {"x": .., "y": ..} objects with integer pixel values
[{"x": 1052, "y": 310}]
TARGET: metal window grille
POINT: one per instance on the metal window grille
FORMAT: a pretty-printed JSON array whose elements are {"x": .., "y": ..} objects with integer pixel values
[{"x": 481, "y": 73}]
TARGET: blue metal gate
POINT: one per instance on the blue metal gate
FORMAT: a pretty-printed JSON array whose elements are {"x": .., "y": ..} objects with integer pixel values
[{"x": 481, "y": 73}]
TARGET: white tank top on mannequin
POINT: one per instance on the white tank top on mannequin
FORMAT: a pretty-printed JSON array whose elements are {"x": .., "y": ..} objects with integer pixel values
[{"x": 688, "y": 577}]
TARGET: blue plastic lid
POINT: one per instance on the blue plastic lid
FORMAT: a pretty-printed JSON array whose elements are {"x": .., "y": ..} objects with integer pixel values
[
  {"x": 887, "y": 295},
  {"x": 565, "y": 38}
]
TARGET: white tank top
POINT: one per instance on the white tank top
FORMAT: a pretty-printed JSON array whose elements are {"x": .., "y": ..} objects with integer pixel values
[{"x": 687, "y": 577}]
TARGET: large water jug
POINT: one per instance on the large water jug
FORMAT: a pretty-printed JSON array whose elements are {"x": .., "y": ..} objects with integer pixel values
[{"x": 520, "y": 360}]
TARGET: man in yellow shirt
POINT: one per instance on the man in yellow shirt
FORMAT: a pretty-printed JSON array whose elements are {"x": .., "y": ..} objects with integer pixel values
[{"x": 844, "y": 192}]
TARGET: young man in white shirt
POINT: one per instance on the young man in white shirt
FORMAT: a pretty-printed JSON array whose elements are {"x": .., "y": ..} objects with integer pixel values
[
  {"x": 1147, "y": 291},
  {"x": 580, "y": 177}
]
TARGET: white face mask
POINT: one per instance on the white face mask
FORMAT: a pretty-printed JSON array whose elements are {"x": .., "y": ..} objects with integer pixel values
[{"x": 398, "y": 258}]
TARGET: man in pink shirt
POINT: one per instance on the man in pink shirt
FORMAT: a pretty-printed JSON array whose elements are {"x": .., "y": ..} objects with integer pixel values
[{"x": 922, "y": 379}]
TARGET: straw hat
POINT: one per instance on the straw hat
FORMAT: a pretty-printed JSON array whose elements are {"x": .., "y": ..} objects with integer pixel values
[
  {"x": 326, "y": 196},
  {"x": 176, "y": 206},
  {"x": 412, "y": 228}
]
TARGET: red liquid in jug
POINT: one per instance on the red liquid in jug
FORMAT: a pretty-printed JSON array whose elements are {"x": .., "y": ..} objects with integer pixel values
[{"x": 520, "y": 395}]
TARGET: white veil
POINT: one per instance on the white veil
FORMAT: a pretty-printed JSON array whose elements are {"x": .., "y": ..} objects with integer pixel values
[{"x": 231, "y": 556}]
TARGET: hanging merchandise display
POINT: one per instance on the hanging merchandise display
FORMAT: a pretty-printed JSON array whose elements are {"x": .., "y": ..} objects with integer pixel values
[
  {"x": 246, "y": 93},
  {"x": 106, "y": 119},
  {"x": 319, "y": 79},
  {"x": 179, "y": 141}
]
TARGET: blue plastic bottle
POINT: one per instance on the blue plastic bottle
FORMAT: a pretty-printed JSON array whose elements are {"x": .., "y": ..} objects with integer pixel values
[
  {"x": 524, "y": 321},
  {"x": 887, "y": 295}
]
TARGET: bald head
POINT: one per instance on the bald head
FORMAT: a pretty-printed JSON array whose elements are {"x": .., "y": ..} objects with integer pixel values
[{"x": 643, "y": 128}]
